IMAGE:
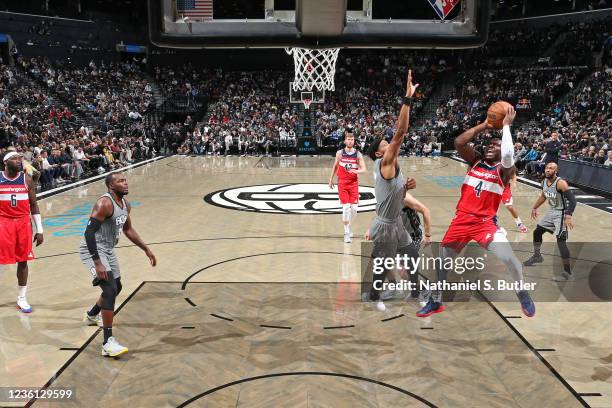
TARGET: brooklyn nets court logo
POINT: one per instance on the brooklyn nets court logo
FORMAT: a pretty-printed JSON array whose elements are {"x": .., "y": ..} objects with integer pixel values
[{"x": 299, "y": 198}]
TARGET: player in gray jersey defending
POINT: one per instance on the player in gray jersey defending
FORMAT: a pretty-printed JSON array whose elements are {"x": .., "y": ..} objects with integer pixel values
[
  {"x": 109, "y": 218},
  {"x": 387, "y": 230},
  {"x": 557, "y": 220}
]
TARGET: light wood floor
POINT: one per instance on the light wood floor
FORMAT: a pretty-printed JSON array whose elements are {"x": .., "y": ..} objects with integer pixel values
[{"x": 194, "y": 323}]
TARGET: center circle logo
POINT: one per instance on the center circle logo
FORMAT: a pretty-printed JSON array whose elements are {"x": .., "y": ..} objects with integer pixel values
[{"x": 294, "y": 198}]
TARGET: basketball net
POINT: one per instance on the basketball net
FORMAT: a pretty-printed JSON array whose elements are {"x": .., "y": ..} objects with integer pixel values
[{"x": 314, "y": 69}]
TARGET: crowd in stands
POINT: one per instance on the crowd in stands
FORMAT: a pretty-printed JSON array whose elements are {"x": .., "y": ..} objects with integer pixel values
[
  {"x": 248, "y": 113},
  {"x": 55, "y": 148},
  {"x": 70, "y": 121},
  {"x": 368, "y": 93}
]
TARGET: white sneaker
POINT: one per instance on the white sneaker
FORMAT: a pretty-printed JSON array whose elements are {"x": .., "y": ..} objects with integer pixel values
[
  {"x": 565, "y": 277},
  {"x": 23, "y": 305},
  {"x": 380, "y": 306},
  {"x": 112, "y": 348},
  {"x": 93, "y": 320},
  {"x": 350, "y": 232},
  {"x": 347, "y": 238}
]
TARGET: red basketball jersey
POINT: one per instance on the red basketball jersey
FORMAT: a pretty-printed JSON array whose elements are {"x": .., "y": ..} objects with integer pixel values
[
  {"x": 14, "y": 200},
  {"x": 482, "y": 190},
  {"x": 347, "y": 162}
]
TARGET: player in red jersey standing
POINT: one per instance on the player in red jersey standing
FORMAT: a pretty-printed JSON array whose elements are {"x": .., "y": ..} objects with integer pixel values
[
  {"x": 349, "y": 164},
  {"x": 17, "y": 203},
  {"x": 475, "y": 219}
]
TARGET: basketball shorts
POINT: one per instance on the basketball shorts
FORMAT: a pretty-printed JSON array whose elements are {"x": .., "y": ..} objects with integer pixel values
[
  {"x": 467, "y": 227},
  {"x": 348, "y": 193},
  {"x": 389, "y": 236},
  {"x": 553, "y": 221},
  {"x": 15, "y": 240},
  {"x": 108, "y": 259},
  {"x": 507, "y": 197}
]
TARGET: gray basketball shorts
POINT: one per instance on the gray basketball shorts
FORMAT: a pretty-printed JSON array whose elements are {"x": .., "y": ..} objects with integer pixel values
[
  {"x": 108, "y": 259},
  {"x": 389, "y": 238},
  {"x": 553, "y": 221}
]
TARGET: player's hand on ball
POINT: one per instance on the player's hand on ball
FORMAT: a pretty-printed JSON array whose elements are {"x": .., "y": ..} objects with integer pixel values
[
  {"x": 410, "y": 87},
  {"x": 39, "y": 239},
  {"x": 410, "y": 183},
  {"x": 534, "y": 214},
  {"x": 151, "y": 257},
  {"x": 510, "y": 115},
  {"x": 569, "y": 223},
  {"x": 101, "y": 271}
]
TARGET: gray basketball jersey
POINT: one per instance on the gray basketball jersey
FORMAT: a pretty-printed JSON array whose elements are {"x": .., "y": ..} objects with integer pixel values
[
  {"x": 110, "y": 230},
  {"x": 389, "y": 193},
  {"x": 556, "y": 199}
]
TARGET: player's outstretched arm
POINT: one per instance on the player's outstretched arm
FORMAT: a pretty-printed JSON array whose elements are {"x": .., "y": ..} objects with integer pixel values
[
  {"x": 389, "y": 159},
  {"x": 462, "y": 143},
  {"x": 133, "y": 236},
  {"x": 35, "y": 211}
]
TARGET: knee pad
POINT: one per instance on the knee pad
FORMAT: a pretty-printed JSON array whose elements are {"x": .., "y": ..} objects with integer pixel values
[
  {"x": 538, "y": 233},
  {"x": 346, "y": 212},
  {"x": 119, "y": 286},
  {"x": 109, "y": 294}
]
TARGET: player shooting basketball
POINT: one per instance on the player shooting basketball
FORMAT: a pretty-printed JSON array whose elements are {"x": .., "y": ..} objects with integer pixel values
[
  {"x": 475, "y": 219},
  {"x": 387, "y": 231}
]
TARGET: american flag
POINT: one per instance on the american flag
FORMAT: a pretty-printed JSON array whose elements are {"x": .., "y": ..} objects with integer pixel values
[{"x": 197, "y": 9}]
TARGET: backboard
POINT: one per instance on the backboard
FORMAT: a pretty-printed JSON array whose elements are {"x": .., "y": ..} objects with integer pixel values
[{"x": 318, "y": 23}]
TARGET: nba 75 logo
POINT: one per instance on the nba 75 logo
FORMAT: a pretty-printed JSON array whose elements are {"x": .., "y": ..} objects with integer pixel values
[
  {"x": 298, "y": 198},
  {"x": 443, "y": 7}
]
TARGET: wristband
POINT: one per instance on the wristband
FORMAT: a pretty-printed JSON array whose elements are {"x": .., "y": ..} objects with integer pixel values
[
  {"x": 38, "y": 223},
  {"x": 407, "y": 100},
  {"x": 428, "y": 235}
]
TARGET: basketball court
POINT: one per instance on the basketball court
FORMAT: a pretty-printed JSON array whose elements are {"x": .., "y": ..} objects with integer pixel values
[
  {"x": 256, "y": 301},
  {"x": 255, "y": 308}
]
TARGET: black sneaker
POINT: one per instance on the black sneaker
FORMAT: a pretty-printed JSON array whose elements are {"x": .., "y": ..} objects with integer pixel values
[{"x": 535, "y": 258}]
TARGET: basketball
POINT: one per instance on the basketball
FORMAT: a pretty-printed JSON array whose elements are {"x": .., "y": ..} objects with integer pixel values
[{"x": 497, "y": 113}]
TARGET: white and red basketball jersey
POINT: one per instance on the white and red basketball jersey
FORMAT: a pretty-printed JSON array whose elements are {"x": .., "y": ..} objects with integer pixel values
[
  {"x": 482, "y": 190},
  {"x": 347, "y": 162},
  {"x": 14, "y": 200}
]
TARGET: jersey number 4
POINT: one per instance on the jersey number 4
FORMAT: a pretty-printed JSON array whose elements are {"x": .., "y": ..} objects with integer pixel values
[
  {"x": 478, "y": 189},
  {"x": 13, "y": 200}
]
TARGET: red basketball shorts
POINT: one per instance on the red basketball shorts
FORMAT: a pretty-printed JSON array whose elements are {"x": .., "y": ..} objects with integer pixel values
[
  {"x": 348, "y": 193},
  {"x": 15, "y": 240},
  {"x": 467, "y": 227}
]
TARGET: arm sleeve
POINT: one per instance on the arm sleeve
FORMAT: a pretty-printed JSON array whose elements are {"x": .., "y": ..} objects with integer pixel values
[
  {"x": 507, "y": 148},
  {"x": 571, "y": 200},
  {"x": 90, "y": 237}
]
